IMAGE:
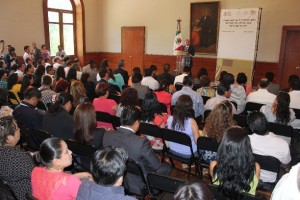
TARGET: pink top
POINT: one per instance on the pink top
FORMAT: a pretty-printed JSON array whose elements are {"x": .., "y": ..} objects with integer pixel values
[
  {"x": 53, "y": 185},
  {"x": 165, "y": 98},
  {"x": 104, "y": 105}
]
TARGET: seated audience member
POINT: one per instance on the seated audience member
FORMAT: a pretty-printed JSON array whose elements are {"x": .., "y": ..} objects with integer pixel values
[
  {"x": 129, "y": 97},
  {"x": 235, "y": 170},
  {"x": 166, "y": 75},
  {"x": 104, "y": 75},
  {"x": 262, "y": 95},
  {"x": 122, "y": 71},
  {"x": 78, "y": 93},
  {"x": 87, "y": 68},
  {"x": 72, "y": 75},
  {"x": 280, "y": 111},
  {"x": 273, "y": 87},
  {"x": 205, "y": 88},
  {"x": 238, "y": 92},
  {"x": 151, "y": 113},
  {"x": 290, "y": 82},
  {"x": 193, "y": 191},
  {"x": 219, "y": 120},
  {"x": 14, "y": 87},
  {"x": 67, "y": 65},
  {"x": 163, "y": 95},
  {"x": 94, "y": 73},
  {"x": 16, "y": 164},
  {"x": 223, "y": 94},
  {"x": 267, "y": 143},
  {"x": 26, "y": 83},
  {"x": 50, "y": 71},
  {"x": 288, "y": 186},
  {"x": 50, "y": 181},
  {"x": 61, "y": 86},
  {"x": 187, "y": 90},
  {"x": 202, "y": 71},
  {"x": 29, "y": 69},
  {"x": 295, "y": 94},
  {"x": 59, "y": 74},
  {"x": 228, "y": 79},
  {"x": 57, "y": 62},
  {"x": 5, "y": 110},
  {"x": 149, "y": 81},
  {"x": 26, "y": 112},
  {"x": 222, "y": 75},
  {"x": 116, "y": 79},
  {"x": 3, "y": 81},
  {"x": 179, "y": 78},
  {"x": 57, "y": 121},
  {"x": 107, "y": 167},
  {"x": 138, "y": 149},
  {"x": 38, "y": 74},
  {"x": 103, "y": 104},
  {"x": 88, "y": 85},
  {"x": 182, "y": 120},
  {"x": 136, "y": 84},
  {"x": 153, "y": 69},
  {"x": 46, "y": 91},
  {"x": 134, "y": 70},
  {"x": 20, "y": 70}
]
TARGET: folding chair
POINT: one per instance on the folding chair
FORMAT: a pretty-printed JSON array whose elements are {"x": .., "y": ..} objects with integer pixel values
[
  {"x": 165, "y": 184},
  {"x": 268, "y": 163},
  {"x": 218, "y": 194},
  {"x": 251, "y": 107},
  {"x": 183, "y": 139},
  {"x": 151, "y": 130},
  {"x": 284, "y": 131},
  {"x": 39, "y": 136},
  {"x": 241, "y": 120},
  {"x": 106, "y": 117},
  {"x": 134, "y": 168},
  {"x": 82, "y": 155},
  {"x": 206, "y": 144},
  {"x": 6, "y": 192},
  {"x": 297, "y": 113}
]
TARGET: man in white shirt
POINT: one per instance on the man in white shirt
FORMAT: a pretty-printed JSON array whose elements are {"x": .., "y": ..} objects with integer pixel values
[
  {"x": 61, "y": 53},
  {"x": 149, "y": 81},
  {"x": 27, "y": 53},
  {"x": 57, "y": 62},
  {"x": 224, "y": 93},
  {"x": 20, "y": 71},
  {"x": 267, "y": 143},
  {"x": 262, "y": 95},
  {"x": 295, "y": 94},
  {"x": 179, "y": 78}
]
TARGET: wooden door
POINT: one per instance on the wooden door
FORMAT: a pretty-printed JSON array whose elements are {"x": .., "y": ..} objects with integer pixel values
[
  {"x": 133, "y": 47},
  {"x": 289, "y": 60}
]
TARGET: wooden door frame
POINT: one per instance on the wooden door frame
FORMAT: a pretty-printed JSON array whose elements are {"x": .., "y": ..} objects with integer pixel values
[{"x": 285, "y": 30}]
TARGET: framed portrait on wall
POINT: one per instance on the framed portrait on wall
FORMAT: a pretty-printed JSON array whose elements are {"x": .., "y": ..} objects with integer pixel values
[{"x": 204, "y": 27}]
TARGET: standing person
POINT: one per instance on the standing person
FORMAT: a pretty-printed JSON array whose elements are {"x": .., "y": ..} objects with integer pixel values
[
  {"x": 36, "y": 53},
  {"x": 44, "y": 52},
  {"x": 189, "y": 51},
  {"x": 27, "y": 53},
  {"x": 61, "y": 52},
  {"x": 10, "y": 58},
  {"x": 206, "y": 29}
]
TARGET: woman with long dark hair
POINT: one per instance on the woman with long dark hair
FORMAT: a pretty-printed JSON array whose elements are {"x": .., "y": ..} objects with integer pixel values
[
  {"x": 57, "y": 113},
  {"x": 88, "y": 85},
  {"x": 280, "y": 111},
  {"x": 183, "y": 121},
  {"x": 38, "y": 74},
  {"x": 235, "y": 170}
]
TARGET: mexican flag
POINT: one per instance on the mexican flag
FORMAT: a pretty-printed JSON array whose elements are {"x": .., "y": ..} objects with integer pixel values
[{"x": 178, "y": 44}]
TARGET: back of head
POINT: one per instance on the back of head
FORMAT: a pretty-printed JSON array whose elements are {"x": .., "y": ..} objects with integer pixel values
[
  {"x": 50, "y": 149},
  {"x": 12, "y": 80},
  {"x": 166, "y": 68},
  {"x": 222, "y": 89},
  {"x": 130, "y": 115},
  {"x": 60, "y": 73},
  {"x": 282, "y": 108},
  {"x": 7, "y": 127},
  {"x": 222, "y": 74},
  {"x": 150, "y": 107},
  {"x": 228, "y": 79},
  {"x": 204, "y": 81},
  {"x": 164, "y": 85},
  {"x": 61, "y": 100},
  {"x": 84, "y": 77},
  {"x": 104, "y": 63},
  {"x": 270, "y": 76},
  {"x": 136, "y": 70},
  {"x": 61, "y": 86},
  {"x": 102, "y": 72},
  {"x": 102, "y": 88},
  {"x": 40, "y": 70},
  {"x": 49, "y": 68},
  {"x": 292, "y": 78},
  {"x": 137, "y": 77},
  {"x": 121, "y": 63},
  {"x": 77, "y": 90},
  {"x": 295, "y": 84},
  {"x": 148, "y": 72},
  {"x": 186, "y": 69},
  {"x": 264, "y": 83},
  {"x": 108, "y": 165},
  {"x": 188, "y": 81},
  {"x": 31, "y": 93},
  {"x": 129, "y": 97},
  {"x": 202, "y": 71},
  {"x": 84, "y": 122},
  {"x": 193, "y": 191},
  {"x": 235, "y": 162},
  {"x": 72, "y": 74},
  {"x": 241, "y": 78},
  {"x": 153, "y": 68},
  {"x": 258, "y": 123},
  {"x": 46, "y": 80}
]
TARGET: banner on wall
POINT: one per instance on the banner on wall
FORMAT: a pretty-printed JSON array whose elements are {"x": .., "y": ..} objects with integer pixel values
[{"x": 238, "y": 39}]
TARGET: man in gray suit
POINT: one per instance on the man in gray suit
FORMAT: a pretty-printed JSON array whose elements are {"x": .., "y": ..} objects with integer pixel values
[
  {"x": 138, "y": 149},
  {"x": 136, "y": 84}
]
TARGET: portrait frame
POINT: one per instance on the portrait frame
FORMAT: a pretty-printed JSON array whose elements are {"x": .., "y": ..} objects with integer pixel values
[{"x": 204, "y": 27}]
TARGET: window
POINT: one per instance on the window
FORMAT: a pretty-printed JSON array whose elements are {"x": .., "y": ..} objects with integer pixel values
[{"x": 61, "y": 26}]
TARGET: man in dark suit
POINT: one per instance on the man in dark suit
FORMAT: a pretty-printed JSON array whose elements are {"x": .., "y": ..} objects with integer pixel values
[
  {"x": 122, "y": 71},
  {"x": 113, "y": 89},
  {"x": 189, "y": 50},
  {"x": 165, "y": 75},
  {"x": 138, "y": 149},
  {"x": 136, "y": 84}
]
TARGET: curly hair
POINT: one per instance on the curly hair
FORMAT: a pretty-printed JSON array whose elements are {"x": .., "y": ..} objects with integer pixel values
[
  {"x": 8, "y": 127},
  {"x": 77, "y": 91},
  {"x": 183, "y": 109},
  {"x": 219, "y": 120},
  {"x": 235, "y": 163},
  {"x": 129, "y": 97},
  {"x": 150, "y": 107},
  {"x": 282, "y": 108}
]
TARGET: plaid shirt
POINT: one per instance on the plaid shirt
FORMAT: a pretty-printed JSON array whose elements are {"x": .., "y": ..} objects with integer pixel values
[
  {"x": 46, "y": 95},
  {"x": 3, "y": 84}
]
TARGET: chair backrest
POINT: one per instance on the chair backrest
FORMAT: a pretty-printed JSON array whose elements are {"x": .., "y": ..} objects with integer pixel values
[
  {"x": 268, "y": 163},
  {"x": 81, "y": 149},
  {"x": 178, "y": 86},
  {"x": 234, "y": 103},
  {"x": 176, "y": 136},
  {"x": 205, "y": 98},
  {"x": 208, "y": 144},
  {"x": 106, "y": 117},
  {"x": 39, "y": 136},
  {"x": 164, "y": 183},
  {"x": 282, "y": 130},
  {"x": 150, "y": 129},
  {"x": 251, "y": 107},
  {"x": 241, "y": 120},
  {"x": 297, "y": 113},
  {"x": 5, "y": 191}
]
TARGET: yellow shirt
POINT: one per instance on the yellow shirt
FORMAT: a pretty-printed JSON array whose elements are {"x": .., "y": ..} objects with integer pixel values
[{"x": 15, "y": 89}]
